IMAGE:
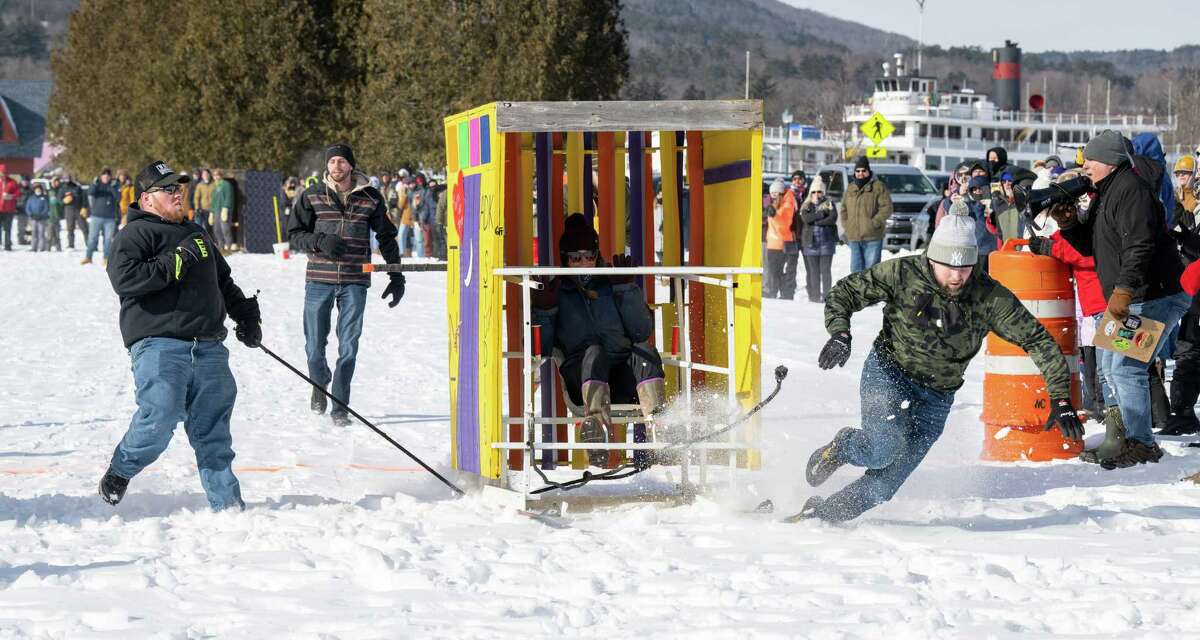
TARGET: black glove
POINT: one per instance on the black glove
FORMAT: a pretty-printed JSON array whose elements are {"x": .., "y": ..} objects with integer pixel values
[
  {"x": 836, "y": 351},
  {"x": 395, "y": 289},
  {"x": 547, "y": 296},
  {"x": 249, "y": 333},
  {"x": 621, "y": 260},
  {"x": 1063, "y": 415},
  {"x": 331, "y": 246},
  {"x": 192, "y": 251},
  {"x": 1041, "y": 246}
]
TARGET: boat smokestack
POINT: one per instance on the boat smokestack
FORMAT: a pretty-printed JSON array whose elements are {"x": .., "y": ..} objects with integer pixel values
[{"x": 1006, "y": 76}]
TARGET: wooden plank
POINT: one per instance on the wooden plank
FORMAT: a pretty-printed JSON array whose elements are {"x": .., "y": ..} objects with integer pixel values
[
  {"x": 692, "y": 115},
  {"x": 513, "y": 320}
]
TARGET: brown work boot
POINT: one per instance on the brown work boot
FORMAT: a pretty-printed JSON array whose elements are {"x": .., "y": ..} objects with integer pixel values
[
  {"x": 85, "y": 261},
  {"x": 652, "y": 396},
  {"x": 597, "y": 401}
]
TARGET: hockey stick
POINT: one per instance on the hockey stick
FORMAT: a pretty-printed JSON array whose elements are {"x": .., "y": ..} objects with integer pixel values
[{"x": 363, "y": 420}]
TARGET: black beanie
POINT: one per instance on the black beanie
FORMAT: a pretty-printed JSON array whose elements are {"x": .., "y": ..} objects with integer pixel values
[
  {"x": 862, "y": 163},
  {"x": 340, "y": 149},
  {"x": 578, "y": 235},
  {"x": 800, "y": 174}
]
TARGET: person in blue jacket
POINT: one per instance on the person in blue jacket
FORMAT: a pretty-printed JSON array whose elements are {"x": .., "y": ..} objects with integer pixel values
[
  {"x": 598, "y": 328},
  {"x": 37, "y": 207}
]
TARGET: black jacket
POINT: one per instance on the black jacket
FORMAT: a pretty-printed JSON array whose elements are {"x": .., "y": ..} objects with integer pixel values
[
  {"x": 1125, "y": 229},
  {"x": 153, "y": 304}
]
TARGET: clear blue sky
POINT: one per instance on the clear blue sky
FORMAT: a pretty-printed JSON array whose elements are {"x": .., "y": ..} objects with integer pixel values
[{"x": 1037, "y": 25}]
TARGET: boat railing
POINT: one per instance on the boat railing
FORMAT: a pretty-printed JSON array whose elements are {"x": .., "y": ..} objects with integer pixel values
[{"x": 862, "y": 111}]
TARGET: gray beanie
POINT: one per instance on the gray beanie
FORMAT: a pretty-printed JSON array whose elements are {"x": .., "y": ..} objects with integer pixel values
[
  {"x": 953, "y": 242},
  {"x": 1107, "y": 147}
]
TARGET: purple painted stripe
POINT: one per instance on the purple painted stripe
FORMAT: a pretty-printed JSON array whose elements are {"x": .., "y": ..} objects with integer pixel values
[
  {"x": 468, "y": 330},
  {"x": 637, "y": 199},
  {"x": 485, "y": 140},
  {"x": 543, "y": 145},
  {"x": 726, "y": 172}
]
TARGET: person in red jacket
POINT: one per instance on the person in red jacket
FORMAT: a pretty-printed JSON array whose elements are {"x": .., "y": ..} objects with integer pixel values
[
  {"x": 1089, "y": 305},
  {"x": 10, "y": 193}
]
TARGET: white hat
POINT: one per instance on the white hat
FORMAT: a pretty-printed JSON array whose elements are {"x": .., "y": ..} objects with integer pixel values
[
  {"x": 778, "y": 187},
  {"x": 816, "y": 185},
  {"x": 953, "y": 242}
]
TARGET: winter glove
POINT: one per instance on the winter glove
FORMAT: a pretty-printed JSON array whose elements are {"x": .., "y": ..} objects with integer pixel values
[
  {"x": 1064, "y": 215},
  {"x": 1063, "y": 416},
  {"x": 395, "y": 288},
  {"x": 249, "y": 333},
  {"x": 212, "y": 219},
  {"x": 1040, "y": 245},
  {"x": 836, "y": 351},
  {"x": 546, "y": 297},
  {"x": 1118, "y": 302},
  {"x": 193, "y": 250},
  {"x": 248, "y": 319},
  {"x": 331, "y": 246},
  {"x": 623, "y": 261},
  {"x": 83, "y": 214},
  {"x": 224, "y": 215}
]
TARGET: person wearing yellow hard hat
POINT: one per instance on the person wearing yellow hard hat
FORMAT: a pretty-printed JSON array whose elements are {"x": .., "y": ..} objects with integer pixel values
[{"x": 1185, "y": 192}]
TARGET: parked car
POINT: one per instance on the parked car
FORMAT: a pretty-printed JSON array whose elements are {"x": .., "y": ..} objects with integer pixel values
[{"x": 911, "y": 194}]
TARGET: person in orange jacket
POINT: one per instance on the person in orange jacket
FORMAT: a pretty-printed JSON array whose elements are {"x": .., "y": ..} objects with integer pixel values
[{"x": 780, "y": 262}]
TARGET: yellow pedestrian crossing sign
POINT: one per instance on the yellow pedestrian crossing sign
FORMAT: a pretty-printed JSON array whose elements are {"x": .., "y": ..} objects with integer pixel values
[
  {"x": 876, "y": 152},
  {"x": 877, "y": 128}
]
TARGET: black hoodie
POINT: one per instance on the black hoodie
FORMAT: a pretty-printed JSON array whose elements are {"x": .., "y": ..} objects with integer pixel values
[
  {"x": 153, "y": 303},
  {"x": 1125, "y": 229},
  {"x": 1020, "y": 175}
]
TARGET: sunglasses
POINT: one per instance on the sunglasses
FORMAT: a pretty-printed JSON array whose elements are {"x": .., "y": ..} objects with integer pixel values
[
  {"x": 170, "y": 188},
  {"x": 582, "y": 254}
]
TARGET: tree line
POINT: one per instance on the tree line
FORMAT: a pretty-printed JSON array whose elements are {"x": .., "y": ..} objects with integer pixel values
[{"x": 258, "y": 84}]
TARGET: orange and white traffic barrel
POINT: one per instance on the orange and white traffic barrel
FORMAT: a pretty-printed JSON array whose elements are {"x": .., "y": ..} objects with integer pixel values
[{"x": 1015, "y": 400}]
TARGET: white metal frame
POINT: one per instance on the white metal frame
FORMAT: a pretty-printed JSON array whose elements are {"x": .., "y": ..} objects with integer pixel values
[{"x": 723, "y": 277}]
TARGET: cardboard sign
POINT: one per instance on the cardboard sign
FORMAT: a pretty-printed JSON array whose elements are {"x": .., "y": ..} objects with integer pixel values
[{"x": 1136, "y": 337}]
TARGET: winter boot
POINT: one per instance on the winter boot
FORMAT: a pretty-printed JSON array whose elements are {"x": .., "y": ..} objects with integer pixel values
[
  {"x": 318, "y": 403},
  {"x": 340, "y": 418},
  {"x": 1114, "y": 438},
  {"x": 1160, "y": 408},
  {"x": 1134, "y": 453},
  {"x": 597, "y": 401},
  {"x": 652, "y": 396},
  {"x": 824, "y": 461},
  {"x": 808, "y": 512},
  {"x": 1184, "y": 392},
  {"x": 112, "y": 487}
]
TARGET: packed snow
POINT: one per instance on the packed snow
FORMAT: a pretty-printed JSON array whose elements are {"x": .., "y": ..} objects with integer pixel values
[{"x": 343, "y": 537}]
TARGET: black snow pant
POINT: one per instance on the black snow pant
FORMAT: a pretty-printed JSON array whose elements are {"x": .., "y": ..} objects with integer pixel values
[
  {"x": 791, "y": 258},
  {"x": 1093, "y": 394},
  {"x": 773, "y": 284},
  {"x": 73, "y": 220},
  {"x": 818, "y": 275},
  {"x": 6, "y": 223},
  {"x": 622, "y": 376},
  {"x": 1185, "y": 382}
]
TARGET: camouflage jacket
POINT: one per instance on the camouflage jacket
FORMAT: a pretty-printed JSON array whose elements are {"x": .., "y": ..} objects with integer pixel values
[{"x": 932, "y": 336}]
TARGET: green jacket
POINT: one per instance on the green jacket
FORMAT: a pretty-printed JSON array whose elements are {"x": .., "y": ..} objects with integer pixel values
[
  {"x": 932, "y": 336},
  {"x": 865, "y": 210},
  {"x": 222, "y": 197}
]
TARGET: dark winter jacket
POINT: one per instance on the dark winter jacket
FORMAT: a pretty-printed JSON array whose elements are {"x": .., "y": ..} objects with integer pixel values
[
  {"x": 75, "y": 193},
  {"x": 818, "y": 227},
  {"x": 105, "y": 200},
  {"x": 616, "y": 319},
  {"x": 985, "y": 239},
  {"x": 37, "y": 207},
  {"x": 1125, "y": 230},
  {"x": 222, "y": 197},
  {"x": 153, "y": 303},
  {"x": 1020, "y": 175},
  {"x": 933, "y": 336},
  {"x": 319, "y": 210},
  {"x": 865, "y": 210}
]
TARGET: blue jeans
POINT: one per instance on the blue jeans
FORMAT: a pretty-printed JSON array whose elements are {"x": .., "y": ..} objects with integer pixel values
[
  {"x": 190, "y": 382},
  {"x": 901, "y": 420},
  {"x": 864, "y": 254},
  {"x": 98, "y": 226},
  {"x": 319, "y": 299},
  {"x": 1128, "y": 379}
]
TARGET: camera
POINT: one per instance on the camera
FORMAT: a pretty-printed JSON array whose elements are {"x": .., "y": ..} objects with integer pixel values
[{"x": 1035, "y": 201}]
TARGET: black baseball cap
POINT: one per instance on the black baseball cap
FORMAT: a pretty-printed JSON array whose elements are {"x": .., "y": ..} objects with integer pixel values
[{"x": 158, "y": 174}]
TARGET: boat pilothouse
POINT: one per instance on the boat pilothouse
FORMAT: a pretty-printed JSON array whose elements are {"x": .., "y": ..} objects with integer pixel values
[{"x": 935, "y": 129}]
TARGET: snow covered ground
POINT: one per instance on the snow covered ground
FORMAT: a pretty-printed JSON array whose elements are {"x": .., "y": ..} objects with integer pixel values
[{"x": 345, "y": 538}]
